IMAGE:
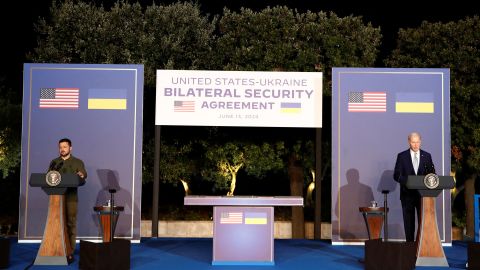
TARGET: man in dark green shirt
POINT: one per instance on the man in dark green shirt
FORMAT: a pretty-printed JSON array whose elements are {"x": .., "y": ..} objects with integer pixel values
[{"x": 67, "y": 163}]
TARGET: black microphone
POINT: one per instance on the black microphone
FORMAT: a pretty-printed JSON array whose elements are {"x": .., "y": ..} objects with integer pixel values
[
  {"x": 429, "y": 167},
  {"x": 432, "y": 167},
  {"x": 59, "y": 165},
  {"x": 52, "y": 166}
]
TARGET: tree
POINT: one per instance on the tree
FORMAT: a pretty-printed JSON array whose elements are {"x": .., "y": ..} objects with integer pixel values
[
  {"x": 176, "y": 164},
  {"x": 176, "y": 36},
  {"x": 227, "y": 159},
  {"x": 10, "y": 129},
  {"x": 280, "y": 38},
  {"x": 74, "y": 33},
  {"x": 454, "y": 45}
]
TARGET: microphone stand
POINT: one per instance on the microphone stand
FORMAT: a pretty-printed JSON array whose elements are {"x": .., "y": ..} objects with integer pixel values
[
  {"x": 112, "y": 207},
  {"x": 385, "y": 213}
]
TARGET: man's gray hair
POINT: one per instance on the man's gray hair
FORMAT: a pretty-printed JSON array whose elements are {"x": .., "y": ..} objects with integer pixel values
[{"x": 414, "y": 134}]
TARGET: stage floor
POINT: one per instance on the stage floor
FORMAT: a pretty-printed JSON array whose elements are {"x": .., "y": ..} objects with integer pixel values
[{"x": 196, "y": 254}]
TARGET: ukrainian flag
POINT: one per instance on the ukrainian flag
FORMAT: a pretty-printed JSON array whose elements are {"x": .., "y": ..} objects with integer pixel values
[
  {"x": 107, "y": 99},
  {"x": 290, "y": 107},
  {"x": 413, "y": 102},
  {"x": 255, "y": 218}
]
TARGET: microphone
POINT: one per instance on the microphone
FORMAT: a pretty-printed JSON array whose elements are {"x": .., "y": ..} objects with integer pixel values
[
  {"x": 429, "y": 168},
  {"x": 432, "y": 168},
  {"x": 52, "y": 166},
  {"x": 59, "y": 166}
]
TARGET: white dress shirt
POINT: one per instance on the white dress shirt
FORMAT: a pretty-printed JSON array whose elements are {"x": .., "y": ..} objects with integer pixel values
[{"x": 412, "y": 154}]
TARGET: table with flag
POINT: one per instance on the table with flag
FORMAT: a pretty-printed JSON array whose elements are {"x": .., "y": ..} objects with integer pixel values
[{"x": 243, "y": 227}]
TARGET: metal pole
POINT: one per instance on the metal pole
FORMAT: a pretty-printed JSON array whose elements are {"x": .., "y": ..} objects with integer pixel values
[
  {"x": 112, "y": 207},
  {"x": 385, "y": 214},
  {"x": 318, "y": 184},
  {"x": 156, "y": 183}
]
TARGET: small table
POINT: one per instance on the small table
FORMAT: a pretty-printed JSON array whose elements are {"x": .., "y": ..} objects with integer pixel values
[
  {"x": 104, "y": 215},
  {"x": 243, "y": 227},
  {"x": 373, "y": 220}
]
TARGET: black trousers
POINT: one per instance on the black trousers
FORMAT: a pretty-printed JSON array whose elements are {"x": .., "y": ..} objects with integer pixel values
[
  {"x": 409, "y": 205},
  {"x": 71, "y": 200}
]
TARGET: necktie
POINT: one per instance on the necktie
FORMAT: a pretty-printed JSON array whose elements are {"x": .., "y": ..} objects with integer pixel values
[{"x": 415, "y": 162}]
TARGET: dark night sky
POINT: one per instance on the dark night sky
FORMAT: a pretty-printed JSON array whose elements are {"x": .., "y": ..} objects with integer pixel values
[{"x": 18, "y": 18}]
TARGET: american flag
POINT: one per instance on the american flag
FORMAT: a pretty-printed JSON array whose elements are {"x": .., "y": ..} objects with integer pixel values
[
  {"x": 367, "y": 102},
  {"x": 183, "y": 106},
  {"x": 231, "y": 218},
  {"x": 66, "y": 98}
]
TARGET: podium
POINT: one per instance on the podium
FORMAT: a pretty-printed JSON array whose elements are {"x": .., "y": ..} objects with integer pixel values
[
  {"x": 429, "y": 246},
  {"x": 55, "y": 246},
  {"x": 373, "y": 217},
  {"x": 243, "y": 227},
  {"x": 108, "y": 218}
]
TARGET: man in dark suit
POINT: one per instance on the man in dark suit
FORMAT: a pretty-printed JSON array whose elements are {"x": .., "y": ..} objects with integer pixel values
[{"x": 413, "y": 161}]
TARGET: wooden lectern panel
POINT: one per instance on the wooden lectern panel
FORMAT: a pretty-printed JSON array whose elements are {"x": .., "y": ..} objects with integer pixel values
[
  {"x": 429, "y": 241},
  {"x": 374, "y": 220},
  {"x": 104, "y": 216},
  {"x": 429, "y": 249},
  {"x": 375, "y": 223},
  {"x": 106, "y": 229},
  {"x": 55, "y": 238}
]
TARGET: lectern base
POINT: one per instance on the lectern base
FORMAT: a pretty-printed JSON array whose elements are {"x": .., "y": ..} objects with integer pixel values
[
  {"x": 4, "y": 252},
  {"x": 51, "y": 260},
  {"x": 432, "y": 261},
  {"x": 473, "y": 256},
  {"x": 112, "y": 255},
  {"x": 381, "y": 255}
]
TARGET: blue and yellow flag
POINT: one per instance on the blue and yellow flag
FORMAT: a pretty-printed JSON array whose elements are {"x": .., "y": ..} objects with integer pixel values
[
  {"x": 413, "y": 102},
  {"x": 290, "y": 107},
  {"x": 107, "y": 99},
  {"x": 256, "y": 218}
]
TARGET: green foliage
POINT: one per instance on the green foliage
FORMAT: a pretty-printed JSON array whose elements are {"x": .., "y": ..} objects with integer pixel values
[
  {"x": 303, "y": 153},
  {"x": 176, "y": 163},
  {"x": 176, "y": 36},
  {"x": 148, "y": 159},
  {"x": 75, "y": 34},
  {"x": 459, "y": 219},
  {"x": 10, "y": 128},
  {"x": 260, "y": 159},
  {"x": 282, "y": 39},
  {"x": 225, "y": 160}
]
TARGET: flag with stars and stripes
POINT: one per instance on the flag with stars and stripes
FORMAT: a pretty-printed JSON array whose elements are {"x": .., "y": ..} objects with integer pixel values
[{"x": 63, "y": 98}]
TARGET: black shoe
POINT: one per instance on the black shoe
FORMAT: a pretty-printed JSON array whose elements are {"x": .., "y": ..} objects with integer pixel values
[{"x": 70, "y": 259}]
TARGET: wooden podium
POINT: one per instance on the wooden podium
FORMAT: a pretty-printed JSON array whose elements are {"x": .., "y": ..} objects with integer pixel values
[
  {"x": 55, "y": 245},
  {"x": 429, "y": 245},
  {"x": 108, "y": 220},
  {"x": 373, "y": 217}
]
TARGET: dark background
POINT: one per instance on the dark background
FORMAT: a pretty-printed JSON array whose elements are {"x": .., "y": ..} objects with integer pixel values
[{"x": 18, "y": 18}]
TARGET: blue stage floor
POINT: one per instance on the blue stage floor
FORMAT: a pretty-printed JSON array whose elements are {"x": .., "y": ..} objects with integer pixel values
[{"x": 196, "y": 254}]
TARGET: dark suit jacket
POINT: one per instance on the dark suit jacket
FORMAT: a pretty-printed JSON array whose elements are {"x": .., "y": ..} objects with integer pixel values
[{"x": 404, "y": 168}]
